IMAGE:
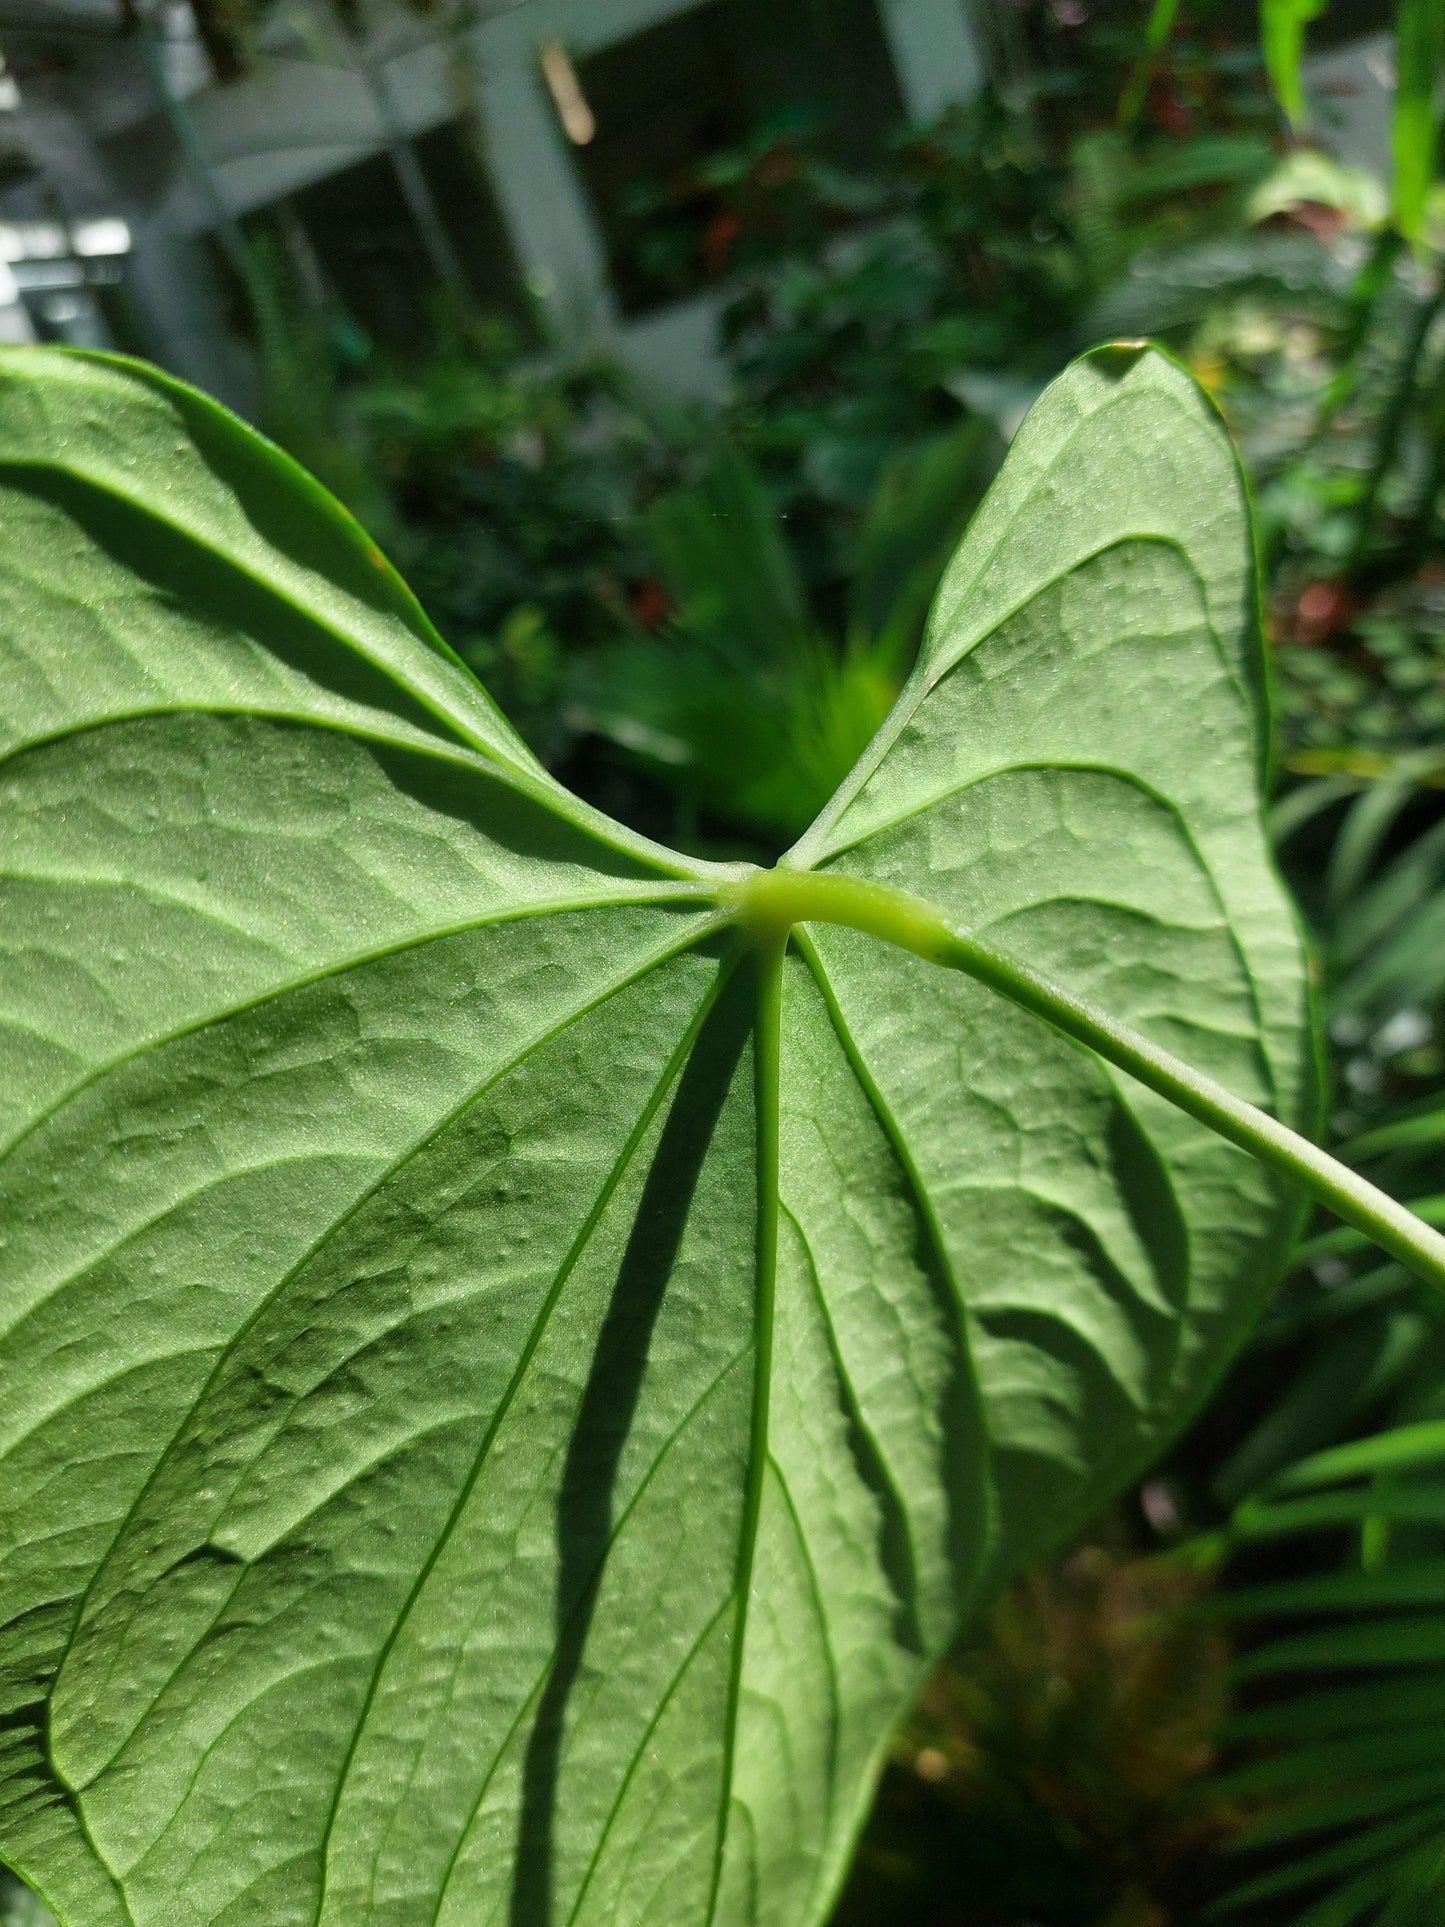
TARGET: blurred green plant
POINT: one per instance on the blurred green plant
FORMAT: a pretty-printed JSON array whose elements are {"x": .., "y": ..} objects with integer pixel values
[
  {"x": 19, "y": 1907},
  {"x": 772, "y": 197},
  {"x": 1062, "y": 1756},
  {"x": 1337, "y": 1542},
  {"x": 1416, "y": 106},
  {"x": 507, "y": 490},
  {"x": 1392, "y": 339},
  {"x": 1381, "y": 693},
  {"x": 1345, "y": 1694},
  {"x": 1351, "y": 1343},
  {"x": 512, "y": 485},
  {"x": 1348, "y": 477},
  {"x": 990, "y": 237},
  {"x": 874, "y": 316},
  {"x": 750, "y": 703}
]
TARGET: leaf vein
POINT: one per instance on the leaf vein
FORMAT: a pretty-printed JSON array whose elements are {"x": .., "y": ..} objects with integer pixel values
[{"x": 676, "y": 1058}]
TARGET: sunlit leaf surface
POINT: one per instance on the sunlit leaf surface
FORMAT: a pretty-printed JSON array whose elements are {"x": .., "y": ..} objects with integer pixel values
[{"x": 503, "y": 1394}]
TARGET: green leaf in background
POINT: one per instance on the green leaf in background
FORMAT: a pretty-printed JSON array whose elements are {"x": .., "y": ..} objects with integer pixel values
[
  {"x": 1282, "y": 29},
  {"x": 1415, "y": 124},
  {"x": 1157, "y": 29},
  {"x": 744, "y": 702},
  {"x": 509, "y": 1382},
  {"x": 1345, "y": 1794}
]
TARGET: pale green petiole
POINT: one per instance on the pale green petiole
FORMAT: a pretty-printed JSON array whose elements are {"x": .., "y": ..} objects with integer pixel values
[{"x": 770, "y": 901}]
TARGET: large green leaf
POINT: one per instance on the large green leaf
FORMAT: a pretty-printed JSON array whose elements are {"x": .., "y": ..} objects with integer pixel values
[{"x": 508, "y": 1385}]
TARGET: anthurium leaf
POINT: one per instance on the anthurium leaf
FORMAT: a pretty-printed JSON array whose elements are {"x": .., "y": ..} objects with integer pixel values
[{"x": 507, "y": 1384}]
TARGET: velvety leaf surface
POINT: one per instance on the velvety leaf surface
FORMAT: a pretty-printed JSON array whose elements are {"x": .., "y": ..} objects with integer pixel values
[{"x": 504, "y": 1390}]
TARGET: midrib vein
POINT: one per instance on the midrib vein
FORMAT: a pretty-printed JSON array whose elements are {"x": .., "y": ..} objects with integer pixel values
[
  {"x": 676, "y": 1059},
  {"x": 767, "y": 1072},
  {"x": 652, "y": 961},
  {"x": 579, "y": 1605}
]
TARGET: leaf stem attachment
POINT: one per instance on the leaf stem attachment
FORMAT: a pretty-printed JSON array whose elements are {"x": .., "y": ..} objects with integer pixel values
[{"x": 770, "y": 902}]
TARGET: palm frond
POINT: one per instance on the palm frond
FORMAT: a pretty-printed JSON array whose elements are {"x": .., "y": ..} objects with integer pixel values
[
  {"x": 1344, "y": 1767},
  {"x": 746, "y": 703}
]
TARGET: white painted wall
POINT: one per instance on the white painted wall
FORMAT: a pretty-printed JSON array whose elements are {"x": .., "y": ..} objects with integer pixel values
[{"x": 936, "y": 53}]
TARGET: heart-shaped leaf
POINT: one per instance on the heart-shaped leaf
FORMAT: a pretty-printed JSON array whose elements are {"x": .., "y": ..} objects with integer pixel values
[{"x": 509, "y": 1382}]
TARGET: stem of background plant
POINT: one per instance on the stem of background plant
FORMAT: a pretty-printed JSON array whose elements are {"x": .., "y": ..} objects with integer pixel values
[
  {"x": 1365, "y": 291},
  {"x": 1388, "y": 440},
  {"x": 1416, "y": 543},
  {"x": 769, "y": 902},
  {"x": 1156, "y": 35}
]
